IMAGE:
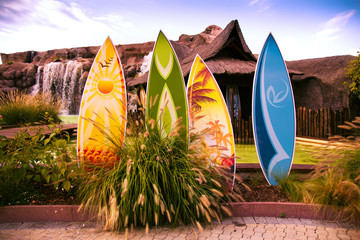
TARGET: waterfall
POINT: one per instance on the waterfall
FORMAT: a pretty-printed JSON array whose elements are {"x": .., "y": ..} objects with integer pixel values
[
  {"x": 145, "y": 66},
  {"x": 36, "y": 88},
  {"x": 53, "y": 76},
  {"x": 62, "y": 80},
  {"x": 71, "y": 83}
]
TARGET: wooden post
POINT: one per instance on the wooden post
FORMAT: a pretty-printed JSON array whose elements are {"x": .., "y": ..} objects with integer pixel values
[
  {"x": 239, "y": 126},
  {"x": 251, "y": 135},
  {"x": 232, "y": 104},
  {"x": 321, "y": 123}
]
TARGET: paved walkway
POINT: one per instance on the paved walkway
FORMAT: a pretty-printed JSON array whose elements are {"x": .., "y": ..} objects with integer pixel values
[{"x": 235, "y": 228}]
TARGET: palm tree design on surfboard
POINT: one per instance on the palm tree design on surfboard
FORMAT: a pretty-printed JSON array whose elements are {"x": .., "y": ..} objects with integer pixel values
[{"x": 208, "y": 112}]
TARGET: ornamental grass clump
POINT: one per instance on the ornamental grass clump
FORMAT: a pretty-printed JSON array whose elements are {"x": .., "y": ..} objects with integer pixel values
[
  {"x": 18, "y": 108},
  {"x": 159, "y": 180},
  {"x": 335, "y": 180}
]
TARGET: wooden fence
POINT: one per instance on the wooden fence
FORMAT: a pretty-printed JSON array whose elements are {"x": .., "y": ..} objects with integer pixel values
[{"x": 320, "y": 123}]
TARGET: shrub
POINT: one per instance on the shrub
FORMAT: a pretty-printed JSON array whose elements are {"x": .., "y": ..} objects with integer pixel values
[
  {"x": 32, "y": 157},
  {"x": 17, "y": 108},
  {"x": 158, "y": 180},
  {"x": 335, "y": 180}
]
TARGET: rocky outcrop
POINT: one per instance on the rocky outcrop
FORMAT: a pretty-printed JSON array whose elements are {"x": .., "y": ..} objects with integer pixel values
[
  {"x": 17, "y": 75},
  {"x": 205, "y": 37},
  {"x": 23, "y": 70},
  {"x": 63, "y": 72}
]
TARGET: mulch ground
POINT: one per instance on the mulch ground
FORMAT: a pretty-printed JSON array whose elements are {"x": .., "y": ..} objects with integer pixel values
[{"x": 261, "y": 191}]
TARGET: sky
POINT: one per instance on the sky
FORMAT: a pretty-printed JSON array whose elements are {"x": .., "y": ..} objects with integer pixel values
[{"x": 302, "y": 28}]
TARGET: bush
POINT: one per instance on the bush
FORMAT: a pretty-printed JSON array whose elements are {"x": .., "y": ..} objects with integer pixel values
[
  {"x": 157, "y": 181},
  {"x": 17, "y": 108},
  {"x": 335, "y": 180},
  {"x": 32, "y": 157}
]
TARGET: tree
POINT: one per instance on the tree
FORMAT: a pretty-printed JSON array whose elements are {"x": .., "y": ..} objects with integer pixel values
[{"x": 352, "y": 70}]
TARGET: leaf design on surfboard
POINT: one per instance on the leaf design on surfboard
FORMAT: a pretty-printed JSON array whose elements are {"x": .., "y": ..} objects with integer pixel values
[
  {"x": 164, "y": 71},
  {"x": 273, "y": 113},
  {"x": 166, "y": 112}
]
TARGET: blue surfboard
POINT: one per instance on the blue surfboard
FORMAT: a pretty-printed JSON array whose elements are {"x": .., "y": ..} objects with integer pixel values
[{"x": 273, "y": 112}]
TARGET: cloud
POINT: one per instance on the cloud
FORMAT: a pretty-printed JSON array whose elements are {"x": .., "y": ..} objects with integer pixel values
[
  {"x": 332, "y": 28},
  {"x": 48, "y": 24},
  {"x": 263, "y": 5}
]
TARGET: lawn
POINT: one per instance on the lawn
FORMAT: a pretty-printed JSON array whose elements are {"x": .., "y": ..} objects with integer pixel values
[
  {"x": 66, "y": 119},
  {"x": 303, "y": 154}
]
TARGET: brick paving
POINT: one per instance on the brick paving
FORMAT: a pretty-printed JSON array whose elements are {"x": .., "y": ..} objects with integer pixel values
[{"x": 232, "y": 229}]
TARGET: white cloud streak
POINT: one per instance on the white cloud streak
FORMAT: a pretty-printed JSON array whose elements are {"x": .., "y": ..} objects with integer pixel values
[
  {"x": 263, "y": 5},
  {"x": 48, "y": 24},
  {"x": 332, "y": 28}
]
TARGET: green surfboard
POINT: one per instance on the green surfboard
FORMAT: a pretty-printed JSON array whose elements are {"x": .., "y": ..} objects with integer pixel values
[{"x": 166, "y": 101}]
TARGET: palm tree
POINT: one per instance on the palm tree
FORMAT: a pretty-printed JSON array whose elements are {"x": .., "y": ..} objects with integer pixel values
[{"x": 197, "y": 94}]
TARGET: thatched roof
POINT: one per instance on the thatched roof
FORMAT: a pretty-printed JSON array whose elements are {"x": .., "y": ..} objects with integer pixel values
[
  {"x": 322, "y": 84},
  {"x": 329, "y": 69},
  {"x": 228, "y": 48},
  {"x": 227, "y": 53}
]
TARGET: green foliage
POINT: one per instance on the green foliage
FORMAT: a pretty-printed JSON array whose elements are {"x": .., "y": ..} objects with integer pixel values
[
  {"x": 9, "y": 62},
  {"x": 33, "y": 157},
  {"x": 294, "y": 188},
  {"x": 157, "y": 181},
  {"x": 352, "y": 70},
  {"x": 17, "y": 108},
  {"x": 335, "y": 180}
]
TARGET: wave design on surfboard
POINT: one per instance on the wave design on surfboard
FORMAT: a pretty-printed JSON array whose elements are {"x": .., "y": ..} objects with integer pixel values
[
  {"x": 166, "y": 99},
  {"x": 273, "y": 113},
  {"x": 103, "y": 108}
]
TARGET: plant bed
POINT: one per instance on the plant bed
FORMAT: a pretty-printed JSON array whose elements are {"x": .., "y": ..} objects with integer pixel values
[
  {"x": 40, "y": 194},
  {"x": 35, "y": 194}
]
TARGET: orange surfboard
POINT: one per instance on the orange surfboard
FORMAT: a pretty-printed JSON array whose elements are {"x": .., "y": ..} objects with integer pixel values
[{"x": 103, "y": 109}]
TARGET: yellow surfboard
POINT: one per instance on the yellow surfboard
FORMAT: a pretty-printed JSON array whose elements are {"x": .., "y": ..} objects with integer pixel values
[
  {"x": 208, "y": 113},
  {"x": 103, "y": 109}
]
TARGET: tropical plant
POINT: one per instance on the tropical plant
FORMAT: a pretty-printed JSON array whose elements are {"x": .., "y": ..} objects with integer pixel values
[
  {"x": 18, "y": 108},
  {"x": 352, "y": 70},
  {"x": 34, "y": 157},
  {"x": 158, "y": 180}
]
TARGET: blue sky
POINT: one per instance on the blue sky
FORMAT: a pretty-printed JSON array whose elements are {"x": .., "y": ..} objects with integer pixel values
[{"x": 303, "y": 29}]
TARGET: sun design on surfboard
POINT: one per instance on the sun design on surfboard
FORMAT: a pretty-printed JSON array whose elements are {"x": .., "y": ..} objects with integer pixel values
[{"x": 103, "y": 109}]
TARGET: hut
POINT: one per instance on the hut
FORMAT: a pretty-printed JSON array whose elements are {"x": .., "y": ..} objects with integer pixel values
[
  {"x": 231, "y": 62},
  {"x": 317, "y": 83}
]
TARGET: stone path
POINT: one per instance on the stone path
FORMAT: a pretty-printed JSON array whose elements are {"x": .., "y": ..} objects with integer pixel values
[{"x": 235, "y": 228}]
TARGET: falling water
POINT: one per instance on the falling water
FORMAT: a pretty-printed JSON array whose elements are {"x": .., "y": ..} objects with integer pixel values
[
  {"x": 145, "y": 66},
  {"x": 62, "y": 80},
  {"x": 36, "y": 88},
  {"x": 71, "y": 84}
]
